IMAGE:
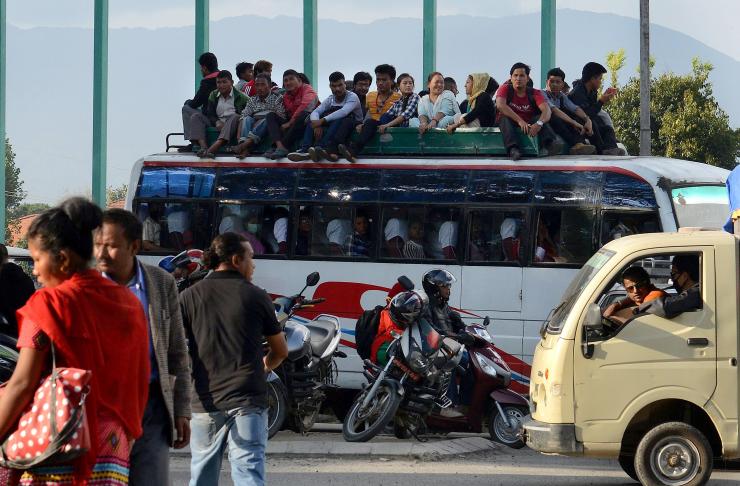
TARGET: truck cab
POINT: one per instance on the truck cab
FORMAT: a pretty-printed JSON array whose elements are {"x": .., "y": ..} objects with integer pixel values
[{"x": 658, "y": 390}]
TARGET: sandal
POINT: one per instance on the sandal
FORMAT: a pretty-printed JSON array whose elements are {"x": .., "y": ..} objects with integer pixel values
[
  {"x": 209, "y": 155},
  {"x": 202, "y": 153}
]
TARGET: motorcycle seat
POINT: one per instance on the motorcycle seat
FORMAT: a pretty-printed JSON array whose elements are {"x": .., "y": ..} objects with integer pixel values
[{"x": 322, "y": 333}]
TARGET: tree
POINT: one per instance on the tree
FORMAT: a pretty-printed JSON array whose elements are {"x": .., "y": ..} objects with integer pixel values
[
  {"x": 25, "y": 209},
  {"x": 115, "y": 194},
  {"x": 14, "y": 193},
  {"x": 615, "y": 62},
  {"x": 685, "y": 119}
]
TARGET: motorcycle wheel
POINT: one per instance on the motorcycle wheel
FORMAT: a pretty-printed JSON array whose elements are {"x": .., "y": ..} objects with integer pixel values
[
  {"x": 361, "y": 425},
  {"x": 499, "y": 429},
  {"x": 277, "y": 408}
]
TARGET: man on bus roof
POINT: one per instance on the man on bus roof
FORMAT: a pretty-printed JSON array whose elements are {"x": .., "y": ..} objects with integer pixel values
[
  {"x": 565, "y": 112},
  {"x": 585, "y": 95},
  {"x": 361, "y": 86},
  {"x": 209, "y": 70},
  {"x": 525, "y": 108}
]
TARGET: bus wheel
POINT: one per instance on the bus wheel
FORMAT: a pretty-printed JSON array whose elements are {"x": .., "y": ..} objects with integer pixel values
[{"x": 673, "y": 454}]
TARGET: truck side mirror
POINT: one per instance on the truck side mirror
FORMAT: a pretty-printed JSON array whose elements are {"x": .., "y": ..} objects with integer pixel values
[{"x": 591, "y": 324}]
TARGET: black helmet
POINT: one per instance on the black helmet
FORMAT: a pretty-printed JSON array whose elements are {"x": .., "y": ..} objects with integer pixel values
[
  {"x": 433, "y": 279},
  {"x": 406, "y": 307}
]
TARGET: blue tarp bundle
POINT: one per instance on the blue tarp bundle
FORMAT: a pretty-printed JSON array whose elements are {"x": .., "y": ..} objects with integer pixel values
[{"x": 733, "y": 191}]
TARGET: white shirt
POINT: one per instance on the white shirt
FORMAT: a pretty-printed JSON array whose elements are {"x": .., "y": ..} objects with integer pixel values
[
  {"x": 337, "y": 231},
  {"x": 151, "y": 231},
  {"x": 395, "y": 227},
  {"x": 280, "y": 230},
  {"x": 178, "y": 221},
  {"x": 225, "y": 107}
]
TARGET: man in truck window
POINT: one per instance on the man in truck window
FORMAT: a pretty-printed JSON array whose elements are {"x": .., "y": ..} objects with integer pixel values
[{"x": 685, "y": 275}]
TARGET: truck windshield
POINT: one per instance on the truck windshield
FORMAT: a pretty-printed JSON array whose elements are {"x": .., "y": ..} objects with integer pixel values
[
  {"x": 705, "y": 206},
  {"x": 583, "y": 277}
]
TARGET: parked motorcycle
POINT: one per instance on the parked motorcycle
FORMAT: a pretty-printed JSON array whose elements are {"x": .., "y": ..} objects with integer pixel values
[
  {"x": 297, "y": 388},
  {"x": 411, "y": 389}
]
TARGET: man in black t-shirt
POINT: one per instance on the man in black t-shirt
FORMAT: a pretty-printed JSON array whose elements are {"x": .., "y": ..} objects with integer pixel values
[{"x": 226, "y": 319}]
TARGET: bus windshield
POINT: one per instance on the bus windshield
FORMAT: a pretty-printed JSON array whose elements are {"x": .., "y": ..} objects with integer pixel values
[
  {"x": 579, "y": 282},
  {"x": 705, "y": 206}
]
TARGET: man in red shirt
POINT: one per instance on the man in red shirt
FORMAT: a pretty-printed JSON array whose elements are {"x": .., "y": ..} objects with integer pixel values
[{"x": 520, "y": 106}]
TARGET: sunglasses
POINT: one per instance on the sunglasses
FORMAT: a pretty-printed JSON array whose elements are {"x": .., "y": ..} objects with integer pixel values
[{"x": 634, "y": 288}]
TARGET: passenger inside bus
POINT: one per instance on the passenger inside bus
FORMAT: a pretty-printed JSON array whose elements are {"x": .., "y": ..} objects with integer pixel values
[
  {"x": 640, "y": 290},
  {"x": 231, "y": 222},
  {"x": 279, "y": 234},
  {"x": 479, "y": 246},
  {"x": 303, "y": 238},
  {"x": 337, "y": 231},
  {"x": 413, "y": 249},
  {"x": 395, "y": 235},
  {"x": 180, "y": 236},
  {"x": 510, "y": 239},
  {"x": 547, "y": 249},
  {"x": 152, "y": 228},
  {"x": 359, "y": 243}
]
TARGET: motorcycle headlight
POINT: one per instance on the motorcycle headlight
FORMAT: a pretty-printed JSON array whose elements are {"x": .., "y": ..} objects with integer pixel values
[
  {"x": 488, "y": 366},
  {"x": 483, "y": 334}
]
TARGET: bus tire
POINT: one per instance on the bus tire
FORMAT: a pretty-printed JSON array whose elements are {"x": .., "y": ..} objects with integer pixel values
[{"x": 674, "y": 453}]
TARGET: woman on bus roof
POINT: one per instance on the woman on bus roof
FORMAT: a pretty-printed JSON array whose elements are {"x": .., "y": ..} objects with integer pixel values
[
  {"x": 404, "y": 109},
  {"x": 438, "y": 108},
  {"x": 480, "y": 110}
]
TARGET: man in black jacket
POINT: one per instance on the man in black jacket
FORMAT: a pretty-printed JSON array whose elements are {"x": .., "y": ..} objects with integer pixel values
[
  {"x": 209, "y": 69},
  {"x": 15, "y": 289},
  {"x": 585, "y": 95},
  {"x": 685, "y": 273}
]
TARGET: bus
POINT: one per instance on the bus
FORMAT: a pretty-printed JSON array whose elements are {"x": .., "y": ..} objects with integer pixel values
[{"x": 513, "y": 233}]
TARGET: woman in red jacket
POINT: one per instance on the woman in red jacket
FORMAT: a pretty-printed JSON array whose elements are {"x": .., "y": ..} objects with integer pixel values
[{"x": 94, "y": 324}]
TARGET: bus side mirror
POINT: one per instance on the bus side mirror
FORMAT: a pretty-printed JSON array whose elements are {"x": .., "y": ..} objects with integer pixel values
[{"x": 591, "y": 325}]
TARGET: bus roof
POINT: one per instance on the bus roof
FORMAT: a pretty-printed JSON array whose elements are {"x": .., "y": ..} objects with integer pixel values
[{"x": 661, "y": 171}]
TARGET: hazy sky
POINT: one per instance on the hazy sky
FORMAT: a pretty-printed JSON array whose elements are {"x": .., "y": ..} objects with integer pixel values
[{"x": 711, "y": 21}]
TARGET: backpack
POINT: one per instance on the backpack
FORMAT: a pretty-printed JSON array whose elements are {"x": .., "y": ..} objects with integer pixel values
[{"x": 366, "y": 329}]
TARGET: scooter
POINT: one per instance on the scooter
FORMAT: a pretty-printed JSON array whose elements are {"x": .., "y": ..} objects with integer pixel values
[
  {"x": 297, "y": 388},
  {"x": 492, "y": 401}
]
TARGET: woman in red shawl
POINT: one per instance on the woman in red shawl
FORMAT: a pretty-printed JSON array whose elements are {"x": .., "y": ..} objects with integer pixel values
[{"x": 95, "y": 325}]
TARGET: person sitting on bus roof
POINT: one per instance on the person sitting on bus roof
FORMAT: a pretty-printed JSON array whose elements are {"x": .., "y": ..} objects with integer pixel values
[
  {"x": 244, "y": 73},
  {"x": 359, "y": 243},
  {"x": 299, "y": 99},
  {"x": 253, "y": 125},
  {"x": 361, "y": 86},
  {"x": 413, "y": 249},
  {"x": 377, "y": 102},
  {"x": 585, "y": 95},
  {"x": 451, "y": 85},
  {"x": 209, "y": 70},
  {"x": 564, "y": 112},
  {"x": 224, "y": 106},
  {"x": 510, "y": 240},
  {"x": 438, "y": 108},
  {"x": 525, "y": 108},
  {"x": 491, "y": 91},
  {"x": 404, "y": 109},
  {"x": 340, "y": 107},
  {"x": 480, "y": 111},
  {"x": 640, "y": 290},
  {"x": 337, "y": 231},
  {"x": 685, "y": 274},
  {"x": 260, "y": 67},
  {"x": 395, "y": 233}
]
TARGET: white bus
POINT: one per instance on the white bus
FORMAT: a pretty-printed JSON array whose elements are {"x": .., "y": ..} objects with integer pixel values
[{"x": 513, "y": 233}]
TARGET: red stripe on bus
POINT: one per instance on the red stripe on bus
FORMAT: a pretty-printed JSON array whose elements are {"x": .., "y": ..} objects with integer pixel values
[
  {"x": 315, "y": 165},
  {"x": 349, "y": 344}
]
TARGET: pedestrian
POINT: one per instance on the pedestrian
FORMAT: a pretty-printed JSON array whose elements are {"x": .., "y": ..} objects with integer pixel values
[
  {"x": 93, "y": 324},
  {"x": 167, "y": 415},
  {"x": 227, "y": 318},
  {"x": 15, "y": 289}
]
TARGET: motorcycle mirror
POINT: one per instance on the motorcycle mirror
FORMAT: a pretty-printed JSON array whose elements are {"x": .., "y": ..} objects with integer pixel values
[
  {"x": 406, "y": 282},
  {"x": 312, "y": 279},
  {"x": 486, "y": 321}
]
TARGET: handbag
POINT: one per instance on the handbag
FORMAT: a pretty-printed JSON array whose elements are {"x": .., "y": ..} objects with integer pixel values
[{"x": 53, "y": 429}]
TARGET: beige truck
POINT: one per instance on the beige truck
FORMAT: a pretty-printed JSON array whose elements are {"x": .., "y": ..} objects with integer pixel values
[{"x": 657, "y": 390}]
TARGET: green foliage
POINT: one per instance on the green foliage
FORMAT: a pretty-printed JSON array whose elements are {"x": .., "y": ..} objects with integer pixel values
[
  {"x": 686, "y": 121},
  {"x": 115, "y": 194},
  {"x": 615, "y": 62},
  {"x": 14, "y": 193},
  {"x": 27, "y": 208}
]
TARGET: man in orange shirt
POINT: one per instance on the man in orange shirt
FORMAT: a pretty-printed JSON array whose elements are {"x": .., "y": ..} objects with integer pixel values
[
  {"x": 376, "y": 103},
  {"x": 639, "y": 289}
]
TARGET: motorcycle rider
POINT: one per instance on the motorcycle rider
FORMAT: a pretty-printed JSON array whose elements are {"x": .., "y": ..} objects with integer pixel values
[
  {"x": 187, "y": 267},
  {"x": 402, "y": 310},
  {"x": 437, "y": 284}
]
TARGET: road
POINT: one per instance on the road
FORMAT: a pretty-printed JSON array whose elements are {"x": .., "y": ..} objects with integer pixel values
[{"x": 500, "y": 467}]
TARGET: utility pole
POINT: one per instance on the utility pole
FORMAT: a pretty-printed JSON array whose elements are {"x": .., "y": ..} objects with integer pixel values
[
  {"x": 645, "y": 77},
  {"x": 429, "y": 55},
  {"x": 3, "y": 70},
  {"x": 100, "y": 104},
  {"x": 202, "y": 20},
  {"x": 547, "y": 39},
  {"x": 310, "y": 40}
]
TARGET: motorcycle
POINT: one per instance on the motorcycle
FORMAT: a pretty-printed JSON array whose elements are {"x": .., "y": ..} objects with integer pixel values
[
  {"x": 412, "y": 387},
  {"x": 8, "y": 352},
  {"x": 298, "y": 387}
]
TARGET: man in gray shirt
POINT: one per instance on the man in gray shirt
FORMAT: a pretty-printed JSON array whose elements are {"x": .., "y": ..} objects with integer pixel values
[{"x": 564, "y": 112}]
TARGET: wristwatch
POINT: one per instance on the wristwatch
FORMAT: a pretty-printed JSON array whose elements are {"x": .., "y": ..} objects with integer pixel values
[{"x": 539, "y": 122}]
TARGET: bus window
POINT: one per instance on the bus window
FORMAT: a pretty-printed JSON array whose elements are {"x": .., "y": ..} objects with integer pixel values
[
  {"x": 256, "y": 183},
  {"x": 441, "y": 233},
  {"x": 508, "y": 187},
  {"x": 338, "y": 185},
  {"x": 495, "y": 236},
  {"x": 569, "y": 187},
  {"x": 171, "y": 227},
  {"x": 564, "y": 236},
  {"x": 336, "y": 231},
  {"x": 176, "y": 182},
  {"x": 264, "y": 226},
  {"x": 616, "y": 224},
  {"x": 431, "y": 186},
  {"x": 403, "y": 233},
  {"x": 621, "y": 190}
]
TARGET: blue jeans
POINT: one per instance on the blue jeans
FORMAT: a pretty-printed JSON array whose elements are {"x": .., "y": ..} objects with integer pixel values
[
  {"x": 466, "y": 383},
  {"x": 328, "y": 139},
  {"x": 245, "y": 429},
  {"x": 254, "y": 129}
]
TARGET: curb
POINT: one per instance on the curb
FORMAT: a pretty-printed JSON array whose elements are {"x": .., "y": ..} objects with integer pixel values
[{"x": 415, "y": 450}]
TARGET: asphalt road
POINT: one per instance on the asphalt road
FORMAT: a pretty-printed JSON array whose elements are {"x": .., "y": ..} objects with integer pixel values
[{"x": 500, "y": 467}]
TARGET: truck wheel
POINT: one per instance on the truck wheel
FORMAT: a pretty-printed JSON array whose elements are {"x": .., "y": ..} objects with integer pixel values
[
  {"x": 628, "y": 466},
  {"x": 673, "y": 454}
]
